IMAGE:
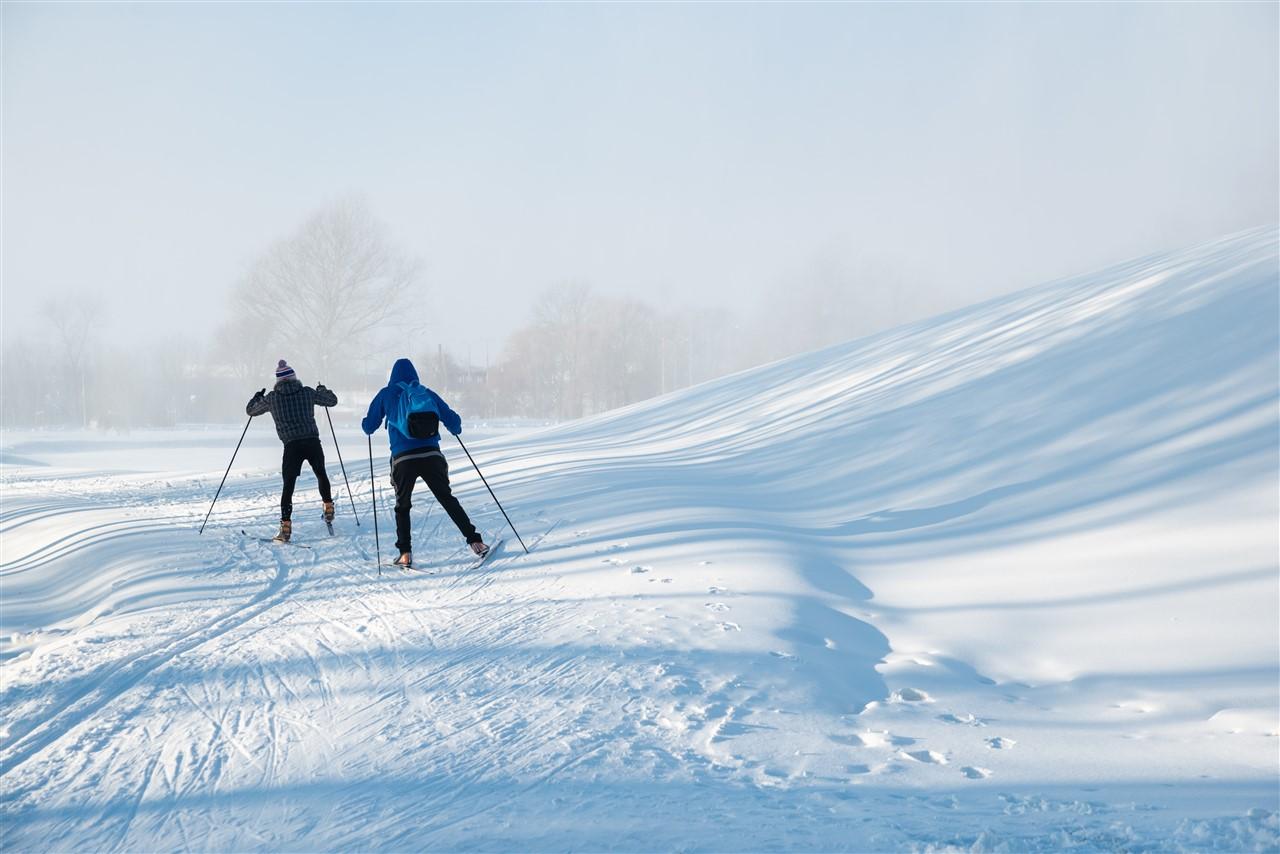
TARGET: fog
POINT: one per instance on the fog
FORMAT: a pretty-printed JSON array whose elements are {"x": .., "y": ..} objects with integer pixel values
[{"x": 664, "y": 192}]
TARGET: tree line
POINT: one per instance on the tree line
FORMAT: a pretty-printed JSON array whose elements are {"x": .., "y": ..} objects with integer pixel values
[{"x": 338, "y": 296}]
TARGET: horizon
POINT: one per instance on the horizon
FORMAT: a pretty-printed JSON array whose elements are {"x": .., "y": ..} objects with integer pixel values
[{"x": 691, "y": 157}]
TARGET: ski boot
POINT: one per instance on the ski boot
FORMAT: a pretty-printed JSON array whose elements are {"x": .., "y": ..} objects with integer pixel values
[
  {"x": 286, "y": 531},
  {"x": 404, "y": 561},
  {"x": 328, "y": 512},
  {"x": 479, "y": 548}
]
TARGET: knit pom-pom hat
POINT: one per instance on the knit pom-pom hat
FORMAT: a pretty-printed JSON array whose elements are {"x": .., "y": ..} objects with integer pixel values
[{"x": 284, "y": 372}]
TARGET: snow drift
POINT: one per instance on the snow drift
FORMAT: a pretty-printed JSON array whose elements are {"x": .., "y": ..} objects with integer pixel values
[{"x": 1004, "y": 578}]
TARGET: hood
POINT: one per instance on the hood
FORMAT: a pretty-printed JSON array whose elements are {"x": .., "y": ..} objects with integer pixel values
[
  {"x": 403, "y": 372},
  {"x": 292, "y": 386}
]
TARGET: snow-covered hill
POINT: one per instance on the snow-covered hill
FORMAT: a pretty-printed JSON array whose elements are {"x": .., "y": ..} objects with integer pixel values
[{"x": 1003, "y": 579}]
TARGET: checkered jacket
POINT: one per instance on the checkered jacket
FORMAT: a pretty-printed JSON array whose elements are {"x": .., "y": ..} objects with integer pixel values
[{"x": 290, "y": 404}]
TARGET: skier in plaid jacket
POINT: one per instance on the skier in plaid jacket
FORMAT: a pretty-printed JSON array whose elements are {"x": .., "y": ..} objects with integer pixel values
[{"x": 291, "y": 405}]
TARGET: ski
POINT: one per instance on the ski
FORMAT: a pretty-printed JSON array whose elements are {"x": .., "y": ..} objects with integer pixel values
[
  {"x": 421, "y": 570},
  {"x": 328, "y": 524},
  {"x": 278, "y": 543},
  {"x": 476, "y": 563},
  {"x": 275, "y": 542},
  {"x": 480, "y": 559}
]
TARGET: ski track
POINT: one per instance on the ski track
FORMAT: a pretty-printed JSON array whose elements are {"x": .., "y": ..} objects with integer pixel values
[
  {"x": 722, "y": 683},
  {"x": 122, "y": 676},
  {"x": 387, "y": 611}
]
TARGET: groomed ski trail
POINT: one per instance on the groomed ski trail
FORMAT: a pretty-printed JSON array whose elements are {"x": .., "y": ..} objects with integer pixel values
[{"x": 967, "y": 590}]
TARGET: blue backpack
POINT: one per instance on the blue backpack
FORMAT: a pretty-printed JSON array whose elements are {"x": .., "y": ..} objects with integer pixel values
[{"x": 416, "y": 414}]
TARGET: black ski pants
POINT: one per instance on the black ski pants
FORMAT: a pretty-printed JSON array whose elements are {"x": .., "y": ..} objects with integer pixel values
[
  {"x": 294, "y": 453},
  {"x": 432, "y": 468}
]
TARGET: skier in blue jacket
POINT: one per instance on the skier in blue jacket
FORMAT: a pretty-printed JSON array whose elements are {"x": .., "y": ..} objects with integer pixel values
[{"x": 417, "y": 458}]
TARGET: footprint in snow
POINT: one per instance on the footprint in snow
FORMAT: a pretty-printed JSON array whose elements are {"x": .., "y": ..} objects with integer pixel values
[
  {"x": 963, "y": 720},
  {"x": 729, "y": 627},
  {"x": 909, "y": 695},
  {"x": 716, "y": 606},
  {"x": 638, "y": 570},
  {"x": 715, "y": 591},
  {"x": 928, "y": 757},
  {"x": 613, "y": 561},
  {"x": 873, "y": 738},
  {"x": 973, "y": 772},
  {"x": 785, "y": 656},
  {"x": 704, "y": 563},
  {"x": 999, "y": 743}
]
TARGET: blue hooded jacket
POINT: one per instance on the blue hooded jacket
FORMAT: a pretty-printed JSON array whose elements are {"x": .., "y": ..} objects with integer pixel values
[{"x": 387, "y": 400}]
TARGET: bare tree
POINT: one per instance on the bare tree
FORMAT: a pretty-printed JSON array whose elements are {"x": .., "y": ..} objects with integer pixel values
[
  {"x": 330, "y": 287},
  {"x": 624, "y": 363},
  {"x": 75, "y": 321},
  {"x": 583, "y": 354},
  {"x": 562, "y": 320},
  {"x": 24, "y": 388}
]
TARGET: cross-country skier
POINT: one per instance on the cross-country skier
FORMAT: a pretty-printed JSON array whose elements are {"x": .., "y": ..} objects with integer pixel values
[
  {"x": 291, "y": 405},
  {"x": 413, "y": 458}
]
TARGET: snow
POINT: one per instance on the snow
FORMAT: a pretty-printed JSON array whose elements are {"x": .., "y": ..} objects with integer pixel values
[{"x": 1002, "y": 580}]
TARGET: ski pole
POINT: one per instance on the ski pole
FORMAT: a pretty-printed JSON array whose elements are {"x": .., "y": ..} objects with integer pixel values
[
  {"x": 373, "y": 494},
  {"x": 343, "y": 467},
  {"x": 225, "y": 473},
  {"x": 495, "y": 498}
]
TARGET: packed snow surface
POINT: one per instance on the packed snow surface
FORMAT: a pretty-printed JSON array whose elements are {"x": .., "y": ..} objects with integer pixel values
[{"x": 1005, "y": 579}]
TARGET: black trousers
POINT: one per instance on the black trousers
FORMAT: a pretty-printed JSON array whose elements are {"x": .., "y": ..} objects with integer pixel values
[
  {"x": 435, "y": 471},
  {"x": 294, "y": 453}
]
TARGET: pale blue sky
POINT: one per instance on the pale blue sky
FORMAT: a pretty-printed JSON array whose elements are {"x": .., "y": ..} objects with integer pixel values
[{"x": 699, "y": 154}]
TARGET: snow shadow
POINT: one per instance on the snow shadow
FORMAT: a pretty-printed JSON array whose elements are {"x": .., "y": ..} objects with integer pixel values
[
  {"x": 1063, "y": 408},
  {"x": 424, "y": 811}
]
